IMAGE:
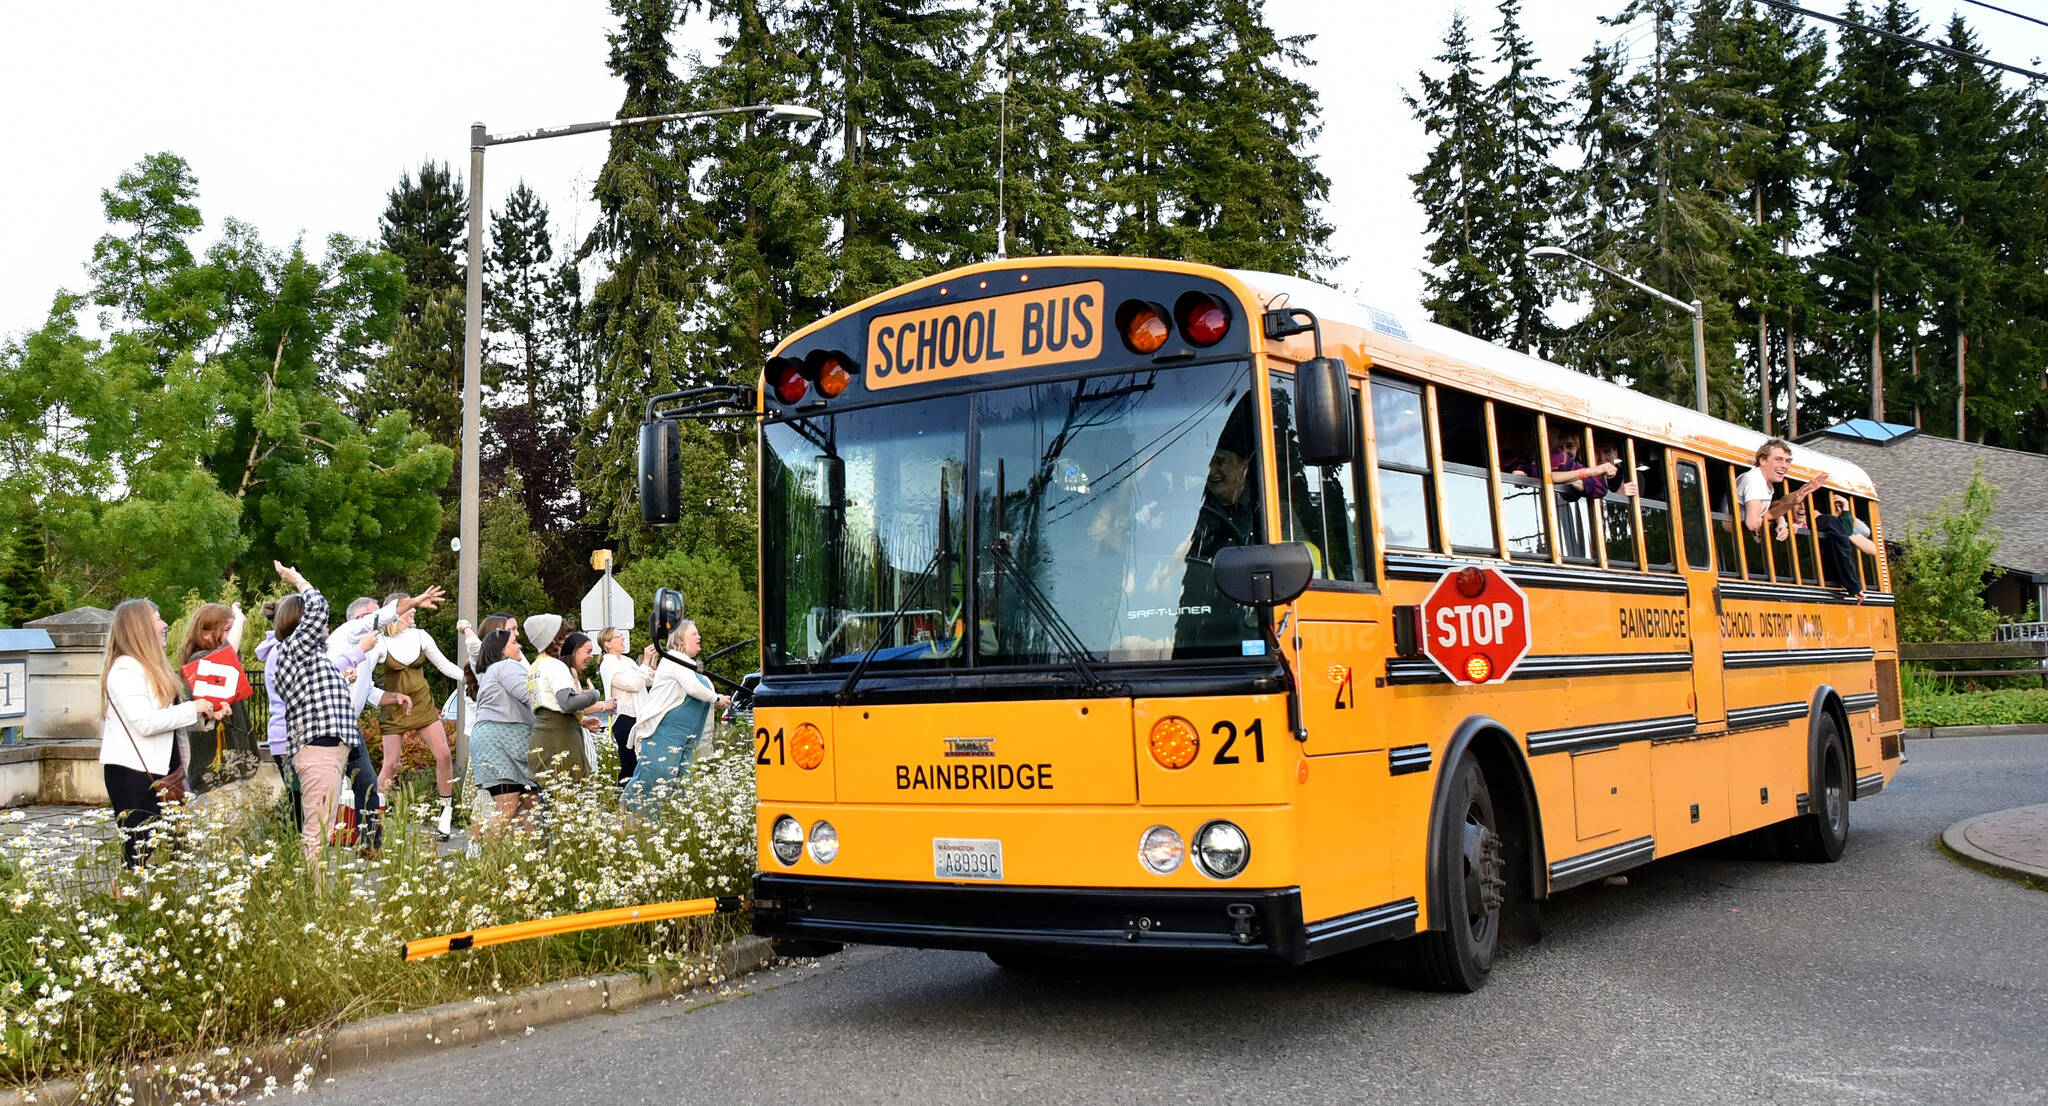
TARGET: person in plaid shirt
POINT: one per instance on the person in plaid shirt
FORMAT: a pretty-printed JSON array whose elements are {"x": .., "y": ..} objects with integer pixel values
[{"x": 320, "y": 711}]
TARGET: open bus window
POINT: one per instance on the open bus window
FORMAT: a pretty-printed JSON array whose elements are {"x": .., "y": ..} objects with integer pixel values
[
  {"x": 1521, "y": 483},
  {"x": 1468, "y": 485},
  {"x": 1318, "y": 503},
  {"x": 1755, "y": 556},
  {"x": 1401, "y": 446},
  {"x": 1860, "y": 507},
  {"x": 1617, "y": 507},
  {"x": 1655, "y": 502},
  {"x": 1692, "y": 516},
  {"x": 1721, "y": 494},
  {"x": 1575, "y": 493},
  {"x": 1784, "y": 562}
]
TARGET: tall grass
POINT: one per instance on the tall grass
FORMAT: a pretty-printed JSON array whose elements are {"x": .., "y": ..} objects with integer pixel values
[{"x": 232, "y": 940}]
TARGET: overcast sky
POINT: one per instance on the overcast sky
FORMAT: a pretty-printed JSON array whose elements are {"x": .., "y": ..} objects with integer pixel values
[{"x": 299, "y": 118}]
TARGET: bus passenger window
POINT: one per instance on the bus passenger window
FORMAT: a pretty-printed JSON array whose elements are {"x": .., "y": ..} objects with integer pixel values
[
  {"x": 1521, "y": 484},
  {"x": 1692, "y": 516},
  {"x": 1617, "y": 510},
  {"x": 1783, "y": 560},
  {"x": 1318, "y": 503},
  {"x": 1468, "y": 483},
  {"x": 1402, "y": 449},
  {"x": 1655, "y": 502},
  {"x": 1721, "y": 493},
  {"x": 1872, "y": 581},
  {"x": 1754, "y": 554},
  {"x": 1578, "y": 481}
]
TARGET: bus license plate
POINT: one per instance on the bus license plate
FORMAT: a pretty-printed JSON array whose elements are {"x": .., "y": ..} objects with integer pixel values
[{"x": 967, "y": 858}]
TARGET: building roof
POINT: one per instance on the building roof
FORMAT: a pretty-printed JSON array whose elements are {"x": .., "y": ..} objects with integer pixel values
[{"x": 1916, "y": 472}]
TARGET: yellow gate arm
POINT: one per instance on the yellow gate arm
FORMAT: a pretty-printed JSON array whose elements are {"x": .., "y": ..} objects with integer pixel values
[{"x": 568, "y": 923}]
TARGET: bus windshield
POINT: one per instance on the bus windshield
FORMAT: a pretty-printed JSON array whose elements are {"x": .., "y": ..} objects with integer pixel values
[{"x": 1097, "y": 507}]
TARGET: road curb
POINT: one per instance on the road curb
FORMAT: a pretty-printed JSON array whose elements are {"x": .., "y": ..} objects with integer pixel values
[
  {"x": 1955, "y": 841},
  {"x": 390, "y": 1037},
  {"x": 1922, "y": 733}
]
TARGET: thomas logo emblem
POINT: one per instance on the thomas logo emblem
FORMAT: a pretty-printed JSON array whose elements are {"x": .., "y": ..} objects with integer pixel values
[{"x": 976, "y": 747}]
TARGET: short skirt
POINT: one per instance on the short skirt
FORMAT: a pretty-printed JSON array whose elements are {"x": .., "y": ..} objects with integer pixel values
[{"x": 498, "y": 754}]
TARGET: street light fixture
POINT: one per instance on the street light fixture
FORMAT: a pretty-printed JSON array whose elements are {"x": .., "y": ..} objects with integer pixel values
[
  {"x": 1696, "y": 309},
  {"x": 473, "y": 312}
]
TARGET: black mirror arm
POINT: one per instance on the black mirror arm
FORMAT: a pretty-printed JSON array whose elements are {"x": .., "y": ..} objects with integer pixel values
[
  {"x": 1294, "y": 723},
  {"x": 1285, "y": 322},
  {"x": 714, "y": 401}
]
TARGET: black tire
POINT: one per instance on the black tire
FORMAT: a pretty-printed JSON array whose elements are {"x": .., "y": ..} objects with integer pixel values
[
  {"x": 1819, "y": 835},
  {"x": 1460, "y": 956}
]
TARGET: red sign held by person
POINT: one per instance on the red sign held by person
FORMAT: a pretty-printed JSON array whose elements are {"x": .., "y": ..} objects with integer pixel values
[
  {"x": 218, "y": 678},
  {"x": 1475, "y": 625}
]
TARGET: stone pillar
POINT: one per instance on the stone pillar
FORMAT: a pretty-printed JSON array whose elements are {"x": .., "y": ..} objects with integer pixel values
[{"x": 66, "y": 703}]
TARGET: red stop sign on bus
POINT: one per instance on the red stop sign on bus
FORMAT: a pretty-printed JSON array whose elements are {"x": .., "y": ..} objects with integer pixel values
[{"x": 1475, "y": 625}]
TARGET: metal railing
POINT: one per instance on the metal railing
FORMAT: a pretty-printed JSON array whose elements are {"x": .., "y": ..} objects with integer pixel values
[{"x": 2021, "y": 631}]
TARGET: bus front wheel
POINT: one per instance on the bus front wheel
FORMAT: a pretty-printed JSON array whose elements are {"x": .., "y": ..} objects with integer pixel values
[
  {"x": 1459, "y": 956},
  {"x": 1820, "y": 834}
]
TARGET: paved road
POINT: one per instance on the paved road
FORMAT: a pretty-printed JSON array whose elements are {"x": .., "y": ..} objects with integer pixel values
[{"x": 1893, "y": 976}]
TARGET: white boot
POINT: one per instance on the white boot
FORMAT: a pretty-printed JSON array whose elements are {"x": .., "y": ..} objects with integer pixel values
[{"x": 446, "y": 823}]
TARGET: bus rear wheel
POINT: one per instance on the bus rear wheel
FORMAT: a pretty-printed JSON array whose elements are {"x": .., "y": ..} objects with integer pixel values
[
  {"x": 1459, "y": 956},
  {"x": 1820, "y": 834}
]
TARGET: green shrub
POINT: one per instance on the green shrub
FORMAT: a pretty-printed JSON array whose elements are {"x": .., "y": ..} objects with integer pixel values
[{"x": 2017, "y": 706}]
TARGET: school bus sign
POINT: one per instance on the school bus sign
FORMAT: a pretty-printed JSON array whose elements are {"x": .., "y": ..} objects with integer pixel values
[{"x": 1475, "y": 625}]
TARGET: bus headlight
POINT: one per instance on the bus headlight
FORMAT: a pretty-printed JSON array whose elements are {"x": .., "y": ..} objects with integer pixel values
[
  {"x": 824, "y": 842},
  {"x": 1161, "y": 849},
  {"x": 786, "y": 839},
  {"x": 1222, "y": 850}
]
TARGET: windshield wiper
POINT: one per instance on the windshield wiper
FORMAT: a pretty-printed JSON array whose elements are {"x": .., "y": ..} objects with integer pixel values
[{"x": 1072, "y": 649}]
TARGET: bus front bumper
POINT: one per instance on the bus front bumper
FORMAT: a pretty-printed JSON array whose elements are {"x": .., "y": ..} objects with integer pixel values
[{"x": 1252, "y": 924}]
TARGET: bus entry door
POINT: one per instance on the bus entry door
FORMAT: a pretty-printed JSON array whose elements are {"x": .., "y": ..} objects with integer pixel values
[{"x": 1696, "y": 560}]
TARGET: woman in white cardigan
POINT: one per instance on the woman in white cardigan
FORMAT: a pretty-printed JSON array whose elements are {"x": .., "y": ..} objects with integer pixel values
[{"x": 140, "y": 717}]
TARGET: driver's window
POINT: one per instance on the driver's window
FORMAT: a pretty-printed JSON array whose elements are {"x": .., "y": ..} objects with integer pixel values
[{"x": 1318, "y": 503}]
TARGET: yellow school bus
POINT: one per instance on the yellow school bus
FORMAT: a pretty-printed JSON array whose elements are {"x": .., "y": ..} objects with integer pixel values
[{"x": 1111, "y": 607}]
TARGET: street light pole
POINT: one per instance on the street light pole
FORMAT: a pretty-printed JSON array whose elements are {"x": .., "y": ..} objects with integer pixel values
[
  {"x": 473, "y": 329},
  {"x": 1696, "y": 309}
]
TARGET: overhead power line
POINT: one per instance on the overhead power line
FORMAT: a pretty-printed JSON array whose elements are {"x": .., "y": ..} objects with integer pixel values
[
  {"x": 1950, "y": 51},
  {"x": 2008, "y": 11}
]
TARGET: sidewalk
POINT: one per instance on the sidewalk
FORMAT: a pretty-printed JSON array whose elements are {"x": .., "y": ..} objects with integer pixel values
[{"x": 2012, "y": 843}]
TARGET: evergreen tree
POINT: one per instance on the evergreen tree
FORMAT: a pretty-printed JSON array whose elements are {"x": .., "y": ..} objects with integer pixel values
[
  {"x": 535, "y": 402},
  {"x": 1763, "y": 76},
  {"x": 892, "y": 78},
  {"x": 1650, "y": 199},
  {"x": 1873, "y": 217},
  {"x": 425, "y": 225},
  {"x": 1201, "y": 138},
  {"x": 647, "y": 238},
  {"x": 1044, "y": 52},
  {"x": 1528, "y": 182},
  {"x": 1981, "y": 222},
  {"x": 1454, "y": 188}
]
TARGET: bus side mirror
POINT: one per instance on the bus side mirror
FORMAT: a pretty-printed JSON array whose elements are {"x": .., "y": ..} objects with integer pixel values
[
  {"x": 1322, "y": 411},
  {"x": 661, "y": 472},
  {"x": 1264, "y": 575},
  {"x": 665, "y": 616}
]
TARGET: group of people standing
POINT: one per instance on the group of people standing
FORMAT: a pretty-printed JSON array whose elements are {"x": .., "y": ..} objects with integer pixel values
[
  {"x": 530, "y": 718},
  {"x": 157, "y": 741}
]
